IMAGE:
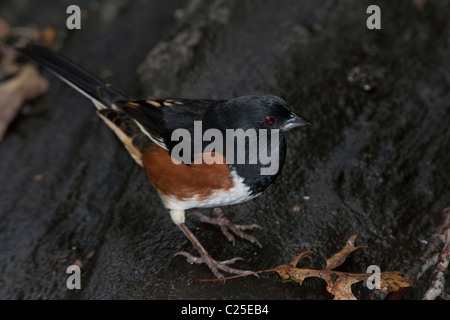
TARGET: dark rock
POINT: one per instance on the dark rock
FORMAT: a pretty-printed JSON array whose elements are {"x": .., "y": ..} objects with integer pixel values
[{"x": 374, "y": 163}]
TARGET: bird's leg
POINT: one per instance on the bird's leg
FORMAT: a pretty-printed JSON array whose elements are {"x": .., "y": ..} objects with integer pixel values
[
  {"x": 226, "y": 225},
  {"x": 204, "y": 257},
  {"x": 178, "y": 217}
]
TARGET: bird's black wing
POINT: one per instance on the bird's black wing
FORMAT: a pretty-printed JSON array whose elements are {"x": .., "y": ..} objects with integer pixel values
[{"x": 160, "y": 118}]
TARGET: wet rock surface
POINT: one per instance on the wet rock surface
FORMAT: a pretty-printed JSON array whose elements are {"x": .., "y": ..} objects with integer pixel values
[{"x": 374, "y": 163}]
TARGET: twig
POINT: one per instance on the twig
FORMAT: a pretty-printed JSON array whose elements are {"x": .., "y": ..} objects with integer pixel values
[
  {"x": 429, "y": 257},
  {"x": 438, "y": 284}
]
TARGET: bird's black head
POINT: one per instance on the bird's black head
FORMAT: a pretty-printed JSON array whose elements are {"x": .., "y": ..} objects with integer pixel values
[
  {"x": 254, "y": 111},
  {"x": 246, "y": 115}
]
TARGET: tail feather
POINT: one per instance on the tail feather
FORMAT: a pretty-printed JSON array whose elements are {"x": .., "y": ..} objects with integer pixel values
[{"x": 102, "y": 94}]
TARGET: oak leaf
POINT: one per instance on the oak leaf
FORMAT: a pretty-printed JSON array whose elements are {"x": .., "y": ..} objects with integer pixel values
[{"x": 339, "y": 283}]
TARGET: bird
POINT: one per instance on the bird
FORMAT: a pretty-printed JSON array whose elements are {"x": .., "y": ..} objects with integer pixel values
[{"x": 219, "y": 172}]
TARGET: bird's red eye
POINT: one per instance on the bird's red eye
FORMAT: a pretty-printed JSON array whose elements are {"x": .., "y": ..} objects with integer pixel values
[{"x": 270, "y": 120}]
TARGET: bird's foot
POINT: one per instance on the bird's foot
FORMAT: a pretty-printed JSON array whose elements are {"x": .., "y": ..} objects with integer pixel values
[
  {"x": 205, "y": 257},
  {"x": 228, "y": 227},
  {"x": 213, "y": 264}
]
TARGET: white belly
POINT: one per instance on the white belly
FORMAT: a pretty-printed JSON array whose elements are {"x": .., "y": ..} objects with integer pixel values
[{"x": 237, "y": 194}]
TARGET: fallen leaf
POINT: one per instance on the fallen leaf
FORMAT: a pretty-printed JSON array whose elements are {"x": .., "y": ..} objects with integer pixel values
[
  {"x": 392, "y": 281},
  {"x": 338, "y": 258},
  {"x": 26, "y": 85},
  {"x": 339, "y": 284},
  {"x": 18, "y": 83}
]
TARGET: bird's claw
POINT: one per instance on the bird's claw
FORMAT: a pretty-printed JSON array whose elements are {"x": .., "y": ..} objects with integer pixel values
[
  {"x": 228, "y": 227},
  {"x": 215, "y": 265}
]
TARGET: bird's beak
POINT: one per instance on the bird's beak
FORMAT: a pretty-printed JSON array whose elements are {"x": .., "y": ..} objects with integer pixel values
[{"x": 295, "y": 121}]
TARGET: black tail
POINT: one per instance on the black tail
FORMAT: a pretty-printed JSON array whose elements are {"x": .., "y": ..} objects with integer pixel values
[{"x": 102, "y": 94}]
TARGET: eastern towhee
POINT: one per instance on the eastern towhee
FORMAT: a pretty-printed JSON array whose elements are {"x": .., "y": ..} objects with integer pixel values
[{"x": 146, "y": 129}]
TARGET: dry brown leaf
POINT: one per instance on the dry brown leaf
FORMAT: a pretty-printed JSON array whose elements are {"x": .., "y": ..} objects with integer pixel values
[
  {"x": 26, "y": 85},
  {"x": 392, "y": 281},
  {"x": 339, "y": 284},
  {"x": 22, "y": 83},
  {"x": 338, "y": 258}
]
